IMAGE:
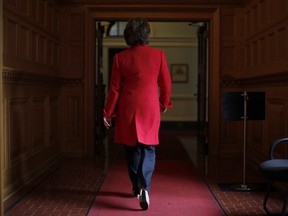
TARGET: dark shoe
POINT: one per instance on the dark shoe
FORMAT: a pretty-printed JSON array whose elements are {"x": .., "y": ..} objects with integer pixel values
[{"x": 144, "y": 199}]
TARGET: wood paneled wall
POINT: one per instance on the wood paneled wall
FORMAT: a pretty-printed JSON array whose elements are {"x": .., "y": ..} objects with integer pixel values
[
  {"x": 255, "y": 58},
  {"x": 31, "y": 36},
  {"x": 47, "y": 88},
  {"x": 31, "y": 89},
  {"x": 265, "y": 32},
  {"x": 72, "y": 70}
]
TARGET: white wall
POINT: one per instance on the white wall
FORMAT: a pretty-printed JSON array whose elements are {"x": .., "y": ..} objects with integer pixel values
[{"x": 179, "y": 42}]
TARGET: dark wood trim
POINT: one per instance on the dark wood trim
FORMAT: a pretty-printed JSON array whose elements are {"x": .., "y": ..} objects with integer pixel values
[
  {"x": 158, "y": 12},
  {"x": 277, "y": 79},
  {"x": 18, "y": 77},
  {"x": 195, "y": 2}
]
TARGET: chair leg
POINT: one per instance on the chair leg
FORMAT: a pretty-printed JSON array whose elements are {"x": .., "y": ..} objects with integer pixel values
[
  {"x": 266, "y": 198},
  {"x": 284, "y": 204}
]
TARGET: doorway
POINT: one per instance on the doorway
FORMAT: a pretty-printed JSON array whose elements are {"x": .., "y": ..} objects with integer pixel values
[
  {"x": 175, "y": 14},
  {"x": 179, "y": 41}
]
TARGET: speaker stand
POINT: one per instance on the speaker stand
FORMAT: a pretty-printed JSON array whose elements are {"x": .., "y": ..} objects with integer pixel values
[{"x": 244, "y": 186}]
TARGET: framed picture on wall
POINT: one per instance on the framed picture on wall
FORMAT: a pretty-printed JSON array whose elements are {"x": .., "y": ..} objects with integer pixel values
[{"x": 179, "y": 73}]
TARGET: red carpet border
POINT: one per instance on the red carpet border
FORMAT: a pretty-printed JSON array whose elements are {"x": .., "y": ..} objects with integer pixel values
[{"x": 176, "y": 190}]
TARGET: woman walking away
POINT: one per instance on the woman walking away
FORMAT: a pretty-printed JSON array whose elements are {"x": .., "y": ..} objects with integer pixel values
[{"x": 140, "y": 89}]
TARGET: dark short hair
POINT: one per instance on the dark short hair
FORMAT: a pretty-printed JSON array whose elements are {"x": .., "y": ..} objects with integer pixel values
[{"x": 137, "y": 31}]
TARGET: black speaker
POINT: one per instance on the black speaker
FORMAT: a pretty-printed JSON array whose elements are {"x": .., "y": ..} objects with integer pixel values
[{"x": 233, "y": 105}]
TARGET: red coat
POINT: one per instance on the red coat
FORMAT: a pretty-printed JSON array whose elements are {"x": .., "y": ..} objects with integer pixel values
[{"x": 134, "y": 98}]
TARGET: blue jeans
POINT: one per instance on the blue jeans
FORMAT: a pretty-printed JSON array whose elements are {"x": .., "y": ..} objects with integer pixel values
[{"x": 141, "y": 162}]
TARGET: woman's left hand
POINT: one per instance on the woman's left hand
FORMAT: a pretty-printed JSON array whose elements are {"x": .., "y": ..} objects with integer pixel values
[{"x": 163, "y": 109}]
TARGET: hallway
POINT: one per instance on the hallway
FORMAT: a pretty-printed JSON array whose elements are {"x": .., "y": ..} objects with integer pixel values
[
  {"x": 72, "y": 187},
  {"x": 47, "y": 89}
]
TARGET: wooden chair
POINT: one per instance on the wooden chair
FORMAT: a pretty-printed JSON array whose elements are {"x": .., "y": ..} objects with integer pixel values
[{"x": 273, "y": 170}]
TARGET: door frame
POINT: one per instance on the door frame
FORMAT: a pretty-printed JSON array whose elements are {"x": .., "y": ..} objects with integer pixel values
[
  {"x": 165, "y": 12},
  {"x": 1, "y": 115}
]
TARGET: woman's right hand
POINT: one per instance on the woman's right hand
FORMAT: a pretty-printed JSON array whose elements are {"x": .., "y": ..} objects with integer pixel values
[{"x": 107, "y": 121}]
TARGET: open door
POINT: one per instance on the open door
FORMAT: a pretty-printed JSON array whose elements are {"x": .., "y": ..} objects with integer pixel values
[
  {"x": 99, "y": 88},
  {"x": 202, "y": 98}
]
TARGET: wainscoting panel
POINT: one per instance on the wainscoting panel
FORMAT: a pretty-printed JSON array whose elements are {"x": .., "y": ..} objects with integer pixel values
[
  {"x": 276, "y": 127},
  {"x": 231, "y": 138},
  {"x": 39, "y": 124},
  {"x": 72, "y": 131},
  {"x": 228, "y": 39},
  {"x": 31, "y": 36},
  {"x": 10, "y": 37},
  {"x": 5, "y": 135},
  {"x": 53, "y": 121},
  {"x": 259, "y": 63},
  {"x": 266, "y": 43},
  {"x": 18, "y": 144},
  {"x": 75, "y": 113},
  {"x": 72, "y": 50},
  {"x": 255, "y": 141},
  {"x": 31, "y": 64},
  {"x": 31, "y": 117}
]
